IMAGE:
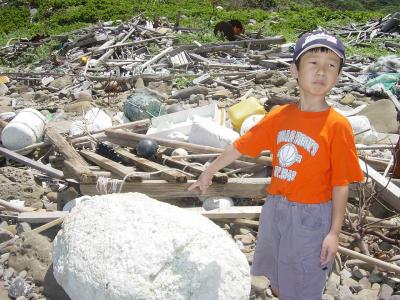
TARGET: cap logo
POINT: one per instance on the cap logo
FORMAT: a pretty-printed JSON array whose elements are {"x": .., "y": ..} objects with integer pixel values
[{"x": 319, "y": 36}]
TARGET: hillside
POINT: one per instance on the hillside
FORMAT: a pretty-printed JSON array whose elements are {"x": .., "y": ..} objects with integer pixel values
[{"x": 44, "y": 18}]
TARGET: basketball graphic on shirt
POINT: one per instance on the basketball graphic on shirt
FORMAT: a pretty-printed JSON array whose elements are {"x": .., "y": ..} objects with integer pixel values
[{"x": 288, "y": 155}]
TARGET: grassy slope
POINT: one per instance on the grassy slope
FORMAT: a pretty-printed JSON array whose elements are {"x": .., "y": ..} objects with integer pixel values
[{"x": 58, "y": 16}]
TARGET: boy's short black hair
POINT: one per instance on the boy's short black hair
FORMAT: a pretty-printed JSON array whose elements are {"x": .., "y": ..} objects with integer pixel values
[{"x": 318, "y": 49}]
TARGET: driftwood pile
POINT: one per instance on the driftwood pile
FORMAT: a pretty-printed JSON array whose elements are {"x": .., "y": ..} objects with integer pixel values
[
  {"x": 383, "y": 30},
  {"x": 104, "y": 64}
]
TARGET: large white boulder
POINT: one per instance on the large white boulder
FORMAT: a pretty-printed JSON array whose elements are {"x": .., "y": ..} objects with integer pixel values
[{"x": 130, "y": 246}]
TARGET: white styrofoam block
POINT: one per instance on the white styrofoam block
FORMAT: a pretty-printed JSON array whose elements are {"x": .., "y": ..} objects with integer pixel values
[
  {"x": 130, "y": 246},
  {"x": 182, "y": 121},
  {"x": 211, "y": 134}
]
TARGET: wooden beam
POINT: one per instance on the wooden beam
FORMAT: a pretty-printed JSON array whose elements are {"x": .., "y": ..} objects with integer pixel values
[
  {"x": 74, "y": 164},
  {"x": 41, "y": 217},
  {"x": 390, "y": 192},
  {"x": 161, "y": 189},
  {"x": 129, "y": 139},
  {"x": 31, "y": 163},
  {"x": 150, "y": 166},
  {"x": 194, "y": 169},
  {"x": 112, "y": 166},
  {"x": 370, "y": 260},
  {"x": 99, "y": 135},
  {"x": 234, "y": 212}
]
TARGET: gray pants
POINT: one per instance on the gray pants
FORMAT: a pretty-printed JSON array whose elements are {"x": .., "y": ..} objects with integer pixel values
[{"x": 289, "y": 242}]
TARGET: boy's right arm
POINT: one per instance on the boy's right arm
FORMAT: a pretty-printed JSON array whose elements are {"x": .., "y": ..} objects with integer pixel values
[{"x": 226, "y": 158}]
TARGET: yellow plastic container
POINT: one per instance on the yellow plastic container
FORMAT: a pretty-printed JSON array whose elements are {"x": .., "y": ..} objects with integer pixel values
[{"x": 245, "y": 108}]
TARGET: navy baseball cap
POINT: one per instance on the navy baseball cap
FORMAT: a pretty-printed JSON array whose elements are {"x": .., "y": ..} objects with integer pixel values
[{"x": 316, "y": 39}]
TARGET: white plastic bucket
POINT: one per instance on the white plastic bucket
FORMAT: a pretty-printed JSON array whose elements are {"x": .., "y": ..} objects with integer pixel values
[{"x": 25, "y": 129}]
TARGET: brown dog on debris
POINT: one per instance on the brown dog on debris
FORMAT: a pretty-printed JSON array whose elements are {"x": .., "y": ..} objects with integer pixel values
[{"x": 229, "y": 30}]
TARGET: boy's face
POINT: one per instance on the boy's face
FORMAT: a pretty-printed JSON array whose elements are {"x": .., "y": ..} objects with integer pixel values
[{"x": 318, "y": 72}]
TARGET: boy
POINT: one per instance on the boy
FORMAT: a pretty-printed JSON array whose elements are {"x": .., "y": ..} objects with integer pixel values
[{"x": 314, "y": 160}]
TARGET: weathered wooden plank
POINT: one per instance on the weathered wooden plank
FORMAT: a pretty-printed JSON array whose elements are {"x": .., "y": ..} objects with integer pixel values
[
  {"x": 41, "y": 217},
  {"x": 194, "y": 169},
  {"x": 31, "y": 163},
  {"x": 112, "y": 166},
  {"x": 161, "y": 189},
  {"x": 74, "y": 163},
  {"x": 234, "y": 212},
  {"x": 150, "y": 166},
  {"x": 129, "y": 139},
  {"x": 390, "y": 193}
]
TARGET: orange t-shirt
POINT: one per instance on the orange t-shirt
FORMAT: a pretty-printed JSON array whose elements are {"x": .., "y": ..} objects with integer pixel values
[{"x": 312, "y": 152}]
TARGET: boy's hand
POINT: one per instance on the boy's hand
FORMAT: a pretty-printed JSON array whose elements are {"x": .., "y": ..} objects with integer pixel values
[
  {"x": 329, "y": 248},
  {"x": 204, "y": 181}
]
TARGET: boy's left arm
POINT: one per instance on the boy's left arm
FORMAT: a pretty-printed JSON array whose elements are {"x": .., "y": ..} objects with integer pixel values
[{"x": 331, "y": 241}]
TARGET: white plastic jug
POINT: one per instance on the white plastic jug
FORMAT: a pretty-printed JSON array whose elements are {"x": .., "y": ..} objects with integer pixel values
[{"x": 24, "y": 130}]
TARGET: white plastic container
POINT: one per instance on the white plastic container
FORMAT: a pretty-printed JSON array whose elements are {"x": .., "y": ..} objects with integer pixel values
[
  {"x": 25, "y": 129},
  {"x": 249, "y": 122},
  {"x": 95, "y": 120},
  {"x": 209, "y": 133},
  {"x": 180, "y": 123}
]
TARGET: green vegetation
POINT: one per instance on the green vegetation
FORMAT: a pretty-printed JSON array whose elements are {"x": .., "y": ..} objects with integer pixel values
[{"x": 274, "y": 17}]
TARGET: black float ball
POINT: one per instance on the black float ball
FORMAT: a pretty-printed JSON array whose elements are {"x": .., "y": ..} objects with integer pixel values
[{"x": 146, "y": 148}]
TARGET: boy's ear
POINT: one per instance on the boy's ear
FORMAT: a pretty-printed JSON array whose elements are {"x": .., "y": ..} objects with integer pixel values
[
  {"x": 294, "y": 71},
  {"x": 338, "y": 77}
]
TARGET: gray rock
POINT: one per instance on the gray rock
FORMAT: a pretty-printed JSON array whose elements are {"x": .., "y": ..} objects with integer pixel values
[
  {"x": 375, "y": 277},
  {"x": 332, "y": 284},
  {"x": 20, "y": 184},
  {"x": 385, "y": 292},
  {"x": 394, "y": 297},
  {"x": 344, "y": 293},
  {"x": 275, "y": 78},
  {"x": 327, "y": 297},
  {"x": 185, "y": 93},
  {"x": 5, "y": 235},
  {"x": 33, "y": 296},
  {"x": 23, "y": 274},
  {"x": 3, "y": 89},
  {"x": 61, "y": 82},
  {"x": 259, "y": 284},
  {"x": 345, "y": 274},
  {"x": 354, "y": 286},
  {"x": 23, "y": 227},
  {"x": 139, "y": 84},
  {"x": 41, "y": 96},
  {"x": 51, "y": 288},
  {"x": 369, "y": 294},
  {"x": 348, "y": 99},
  {"x": 33, "y": 252},
  {"x": 382, "y": 115},
  {"x": 360, "y": 273},
  {"x": 385, "y": 246},
  {"x": 19, "y": 287},
  {"x": 3, "y": 225},
  {"x": 364, "y": 282},
  {"x": 4, "y": 257},
  {"x": 8, "y": 273},
  {"x": 79, "y": 107},
  {"x": 83, "y": 96},
  {"x": 21, "y": 298},
  {"x": 196, "y": 98}
]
